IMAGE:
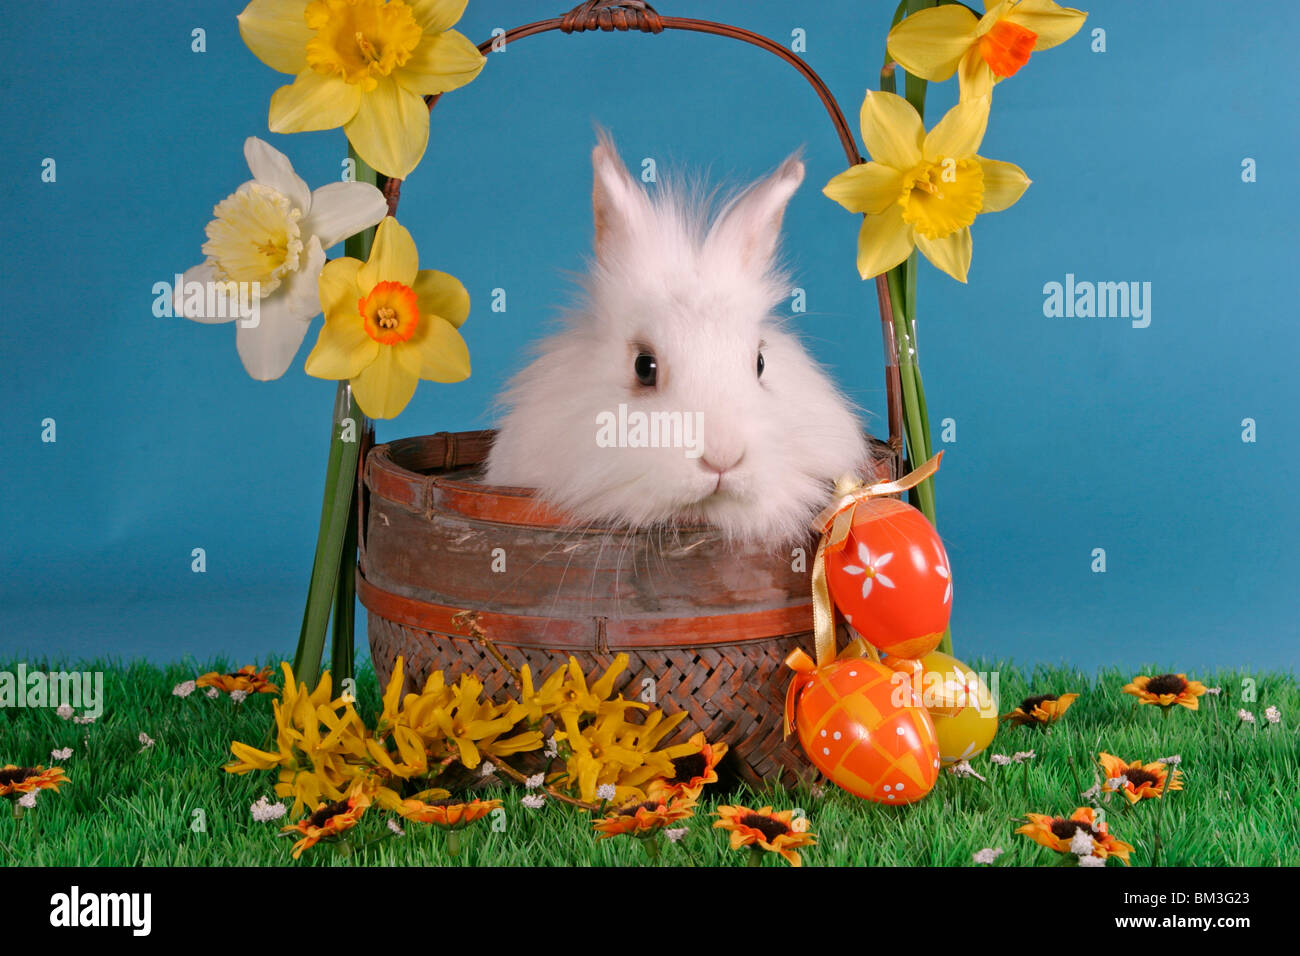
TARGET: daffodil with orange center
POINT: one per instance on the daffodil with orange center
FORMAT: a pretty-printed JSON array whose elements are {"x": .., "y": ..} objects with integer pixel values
[
  {"x": 766, "y": 831},
  {"x": 389, "y": 324},
  {"x": 939, "y": 41},
  {"x": 330, "y": 820},
  {"x": 1166, "y": 690},
  {"x": 644, "y": 820},
  {"x": 1057, "y": 833},
  {"x": 1141, "y": 781},
  {"x": 247, "y": 679},
  {"x": 1041, "y": 710},
  {"x": 365, "y": 65},
  {"x": 923, "y": 190}
]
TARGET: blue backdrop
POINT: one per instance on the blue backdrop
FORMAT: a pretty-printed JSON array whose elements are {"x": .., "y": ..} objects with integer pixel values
[{"x": 1072, "y": 434}]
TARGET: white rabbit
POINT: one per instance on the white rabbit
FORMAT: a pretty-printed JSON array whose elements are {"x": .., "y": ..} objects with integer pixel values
[{"x": 678, "y": 318}]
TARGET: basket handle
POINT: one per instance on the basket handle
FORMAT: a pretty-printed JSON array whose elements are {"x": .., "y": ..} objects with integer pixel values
[{"x": 628, "y": 15}]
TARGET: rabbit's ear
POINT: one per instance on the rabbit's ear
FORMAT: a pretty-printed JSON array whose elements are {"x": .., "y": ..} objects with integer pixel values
[
  {"x": 619, "y": 205},
  {"x": 750, "y": 226}
]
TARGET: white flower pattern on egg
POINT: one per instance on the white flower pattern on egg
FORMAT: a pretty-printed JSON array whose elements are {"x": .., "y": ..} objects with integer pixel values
[
  {"x": 870, "y": 569},
  {"x": 944, "y": 573}
]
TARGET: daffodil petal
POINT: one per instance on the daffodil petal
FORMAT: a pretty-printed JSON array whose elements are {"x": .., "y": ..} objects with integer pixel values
[
  {"x": 891, "y": 130},
  {"x": 443, "y": 295},
  {"x": 339, "y": 210},
  {"x": 1004, "y": 183},
  {"x": 277, "y": 33},
  {"x": 270, "y": 167},
  {"x": 195, "y": 308},
  {"x": 951, "y": 253},
  {"x": 311, "y": 102},
  {"x": 930, "y": 43},
  {"x": 960, "y": 132},
  {"x": 437, "y": 353},
  {"x": 384, "y": 387},
  {"x": 338, "y": 287},
  {"x": 441, "y": 62},
  {"x": 437, "y": 15},
  {"x": 390, "y": 129},
  {"x": 1053, "y": 23},
  {"x": 267, "y": 349},
  {"x": 866, "y": 187},
  {"x": 883, "y": 242},
  {"x": 393, "y": 257},
  {"x": 975, "y": 76}
]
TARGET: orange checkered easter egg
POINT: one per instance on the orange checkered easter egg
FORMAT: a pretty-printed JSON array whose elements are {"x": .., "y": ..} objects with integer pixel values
[
  {"x": 866, "y": 730},
  {"x": 891, "y": 580}
]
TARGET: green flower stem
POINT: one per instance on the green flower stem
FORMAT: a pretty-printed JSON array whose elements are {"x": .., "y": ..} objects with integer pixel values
[
  {"x": 755, "y": 855},
  {"x": 333, "y": 587}
]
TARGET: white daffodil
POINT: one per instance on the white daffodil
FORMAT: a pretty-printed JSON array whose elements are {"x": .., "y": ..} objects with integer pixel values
[{"x": 269, "y": 238}]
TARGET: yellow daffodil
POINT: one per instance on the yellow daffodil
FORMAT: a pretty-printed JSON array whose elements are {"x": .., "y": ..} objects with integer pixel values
[
  {"x": 365, "y": 65},
  {"x": 389, "y": 324},
  {"x": 936, "y": 42},
  {"x": 922, "y": 190}
]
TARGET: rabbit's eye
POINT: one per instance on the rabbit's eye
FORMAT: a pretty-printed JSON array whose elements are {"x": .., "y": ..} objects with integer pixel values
[
  {"x": 761, "y": 365},
  {"x": 647, "y": 369}
]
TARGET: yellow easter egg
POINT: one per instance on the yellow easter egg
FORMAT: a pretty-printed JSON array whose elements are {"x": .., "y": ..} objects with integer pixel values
[{"x": 963, "y": 710}]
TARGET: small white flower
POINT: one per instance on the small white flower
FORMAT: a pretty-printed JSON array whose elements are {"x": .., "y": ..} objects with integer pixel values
[
  {"x": 870, "y": 569},
  {"x": 83, "y": 720},
  {"x": 1273, "y": 715},
  {"x": 273, "y": 231},
  {"x": 535, "y": 781},
  {"x": 1245, "y": 716},
  {"x": 964, "y": 769},
  {"x": 1091, "y": 860},
  {"x": 63, "y": 754},
  {"x": 552, "y": 747},
  {"x": 213, "y": 692},
  {"x": 986, "y": 856},
  {"x": 675, "y": 833},
  {"x": 1000, "y": 759},
  {"x": 488, "y": 769},
  {"x": 65, "y": 711},
  {"x": 1175, "y": 759},
  {"x": 1081, "y": 843},
  {"x": 28, "y": 800},
  {"x": 183, "y": 689},
  {"x": 817, "y": 790},
  {"x": 1092, "y": 793},
  {"x": 1216, "y": 691},
  {"x": 396, "y": 827},
  {"x": 146, "y": 741},
  {"x": 238, "y": 696},
  {"x": 264, "y": 811},
  {"x": 1117, "y": 783},
  {"x": 533, "y": 801},
  {"x": 1020, "y": 756},
  {"x": 605, "y": 791}
]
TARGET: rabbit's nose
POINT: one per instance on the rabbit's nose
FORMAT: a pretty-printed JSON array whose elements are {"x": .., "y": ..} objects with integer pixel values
[{"x": 719, "y": 468}]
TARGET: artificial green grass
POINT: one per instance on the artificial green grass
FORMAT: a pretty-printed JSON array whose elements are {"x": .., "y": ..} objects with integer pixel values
[{"x": 126, "y": 807}]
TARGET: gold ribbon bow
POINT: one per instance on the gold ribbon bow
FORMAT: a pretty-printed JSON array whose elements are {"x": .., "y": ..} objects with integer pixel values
[{"x": 834, "y": 523}]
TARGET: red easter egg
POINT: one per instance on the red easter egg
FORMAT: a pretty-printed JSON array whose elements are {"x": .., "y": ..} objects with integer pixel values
[
  {"x": 891, "y": 579},
  {"x": 866, "y": 730}
]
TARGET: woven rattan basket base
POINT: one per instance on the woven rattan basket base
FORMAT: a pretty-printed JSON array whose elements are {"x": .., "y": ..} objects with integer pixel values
[{"x": 734, "y": 693}]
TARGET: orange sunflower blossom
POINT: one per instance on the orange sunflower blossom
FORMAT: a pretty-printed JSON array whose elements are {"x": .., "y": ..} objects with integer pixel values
[
  {"x": 389, "y": 324},
  {"x": 365, "y": 65}
]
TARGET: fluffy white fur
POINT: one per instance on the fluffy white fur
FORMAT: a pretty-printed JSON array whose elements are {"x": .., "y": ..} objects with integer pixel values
[{"x": 699, "y": 294}]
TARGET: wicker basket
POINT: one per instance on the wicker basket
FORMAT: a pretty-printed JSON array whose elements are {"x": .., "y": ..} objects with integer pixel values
[{"x": 706, "y": 627}]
